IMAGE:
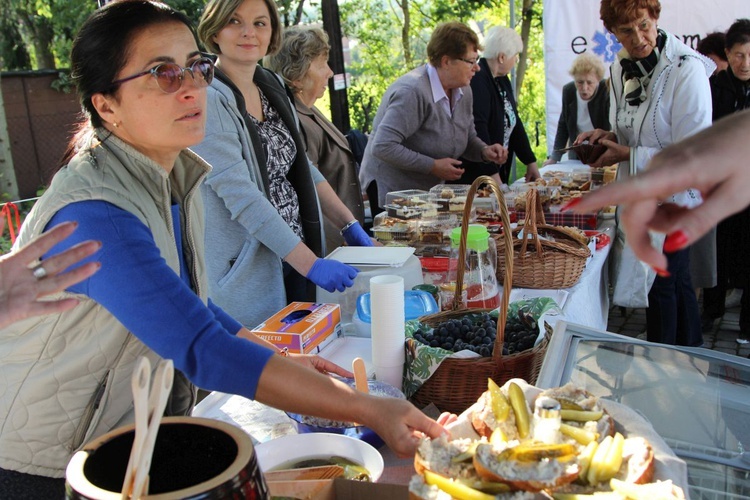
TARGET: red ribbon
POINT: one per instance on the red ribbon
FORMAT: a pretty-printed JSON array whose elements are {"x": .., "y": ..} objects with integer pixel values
[{"x": 10, "y": 209}]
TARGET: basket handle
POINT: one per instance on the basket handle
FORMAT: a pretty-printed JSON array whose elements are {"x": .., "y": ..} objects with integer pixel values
[
  {"x": 497, "y": 350},
  {"x": 534, "y": 216}
]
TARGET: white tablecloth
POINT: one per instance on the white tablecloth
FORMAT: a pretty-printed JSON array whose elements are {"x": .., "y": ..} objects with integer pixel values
[{"x": 588, "y": 300}]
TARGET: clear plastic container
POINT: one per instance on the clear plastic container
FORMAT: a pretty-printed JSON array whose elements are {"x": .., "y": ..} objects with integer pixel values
[
  {"x": 581, "y": 176},
  {"x": 432, "y": 232},
  {"x": 402, "y": 212},
  {"x": 480, "y": 280},
  {"x": 449, "y": 197},
  {"x": 407, "y": 198},
  {"x": 410, "y": 204},
  {"x": 386, "y": 228}
]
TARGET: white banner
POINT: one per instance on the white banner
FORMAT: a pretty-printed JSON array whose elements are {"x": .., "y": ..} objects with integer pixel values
[{"x": 572, "y": 27}]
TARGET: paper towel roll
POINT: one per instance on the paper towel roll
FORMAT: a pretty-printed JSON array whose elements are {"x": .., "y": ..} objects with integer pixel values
[
  {"x": 387, "y": 306},
  {"x": 393, "y": 375}
]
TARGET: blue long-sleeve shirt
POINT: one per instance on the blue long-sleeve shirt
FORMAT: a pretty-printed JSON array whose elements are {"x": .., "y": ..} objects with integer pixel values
[{"x": 136, "y": 285}]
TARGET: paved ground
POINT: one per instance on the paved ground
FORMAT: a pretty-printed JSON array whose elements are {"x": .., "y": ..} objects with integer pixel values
[{"x": 721, "y": 338}]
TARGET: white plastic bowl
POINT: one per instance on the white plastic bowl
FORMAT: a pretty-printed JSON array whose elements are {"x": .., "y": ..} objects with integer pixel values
[{"x": 295, "y": 447}]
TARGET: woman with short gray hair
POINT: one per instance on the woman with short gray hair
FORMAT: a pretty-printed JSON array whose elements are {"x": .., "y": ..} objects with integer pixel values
[
  {"x": 585, "y": 104},
  {"x": 495, "y": 111}
]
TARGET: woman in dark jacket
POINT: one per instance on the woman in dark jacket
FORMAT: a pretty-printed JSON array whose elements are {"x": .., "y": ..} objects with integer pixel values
[
  {"x": 588, "y": 87},
  {"x": 495, "y": 111},
  {"x": 730, "y": 93}
]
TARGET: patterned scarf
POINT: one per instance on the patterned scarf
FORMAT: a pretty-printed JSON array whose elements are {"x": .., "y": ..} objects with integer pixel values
[{"x": 638, "y": 72}]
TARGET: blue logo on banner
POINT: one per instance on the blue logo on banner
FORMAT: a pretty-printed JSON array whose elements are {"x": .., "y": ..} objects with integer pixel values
[{"x": 606, "y": 45}]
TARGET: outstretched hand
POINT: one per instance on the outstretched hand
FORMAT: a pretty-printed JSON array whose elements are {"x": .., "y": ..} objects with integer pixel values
[
  {"x": 21, "y": 288},
  {"x": 402, "y": 425}
]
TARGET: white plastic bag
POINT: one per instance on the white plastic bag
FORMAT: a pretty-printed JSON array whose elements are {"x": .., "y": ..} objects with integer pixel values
[{"x": 631, "y": 279}]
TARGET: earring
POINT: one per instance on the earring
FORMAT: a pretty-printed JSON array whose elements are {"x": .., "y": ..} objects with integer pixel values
[{"x": 115, "y": 124}]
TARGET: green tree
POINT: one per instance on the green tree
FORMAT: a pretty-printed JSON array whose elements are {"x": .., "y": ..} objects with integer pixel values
[
  {"x": 46, "y": 29},
  {"x": 38, "y": 34},
  {"x": 13, "y": 53}
]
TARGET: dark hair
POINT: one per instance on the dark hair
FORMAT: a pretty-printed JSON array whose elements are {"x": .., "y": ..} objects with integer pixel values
[
  {"x": 616, "y": 12},
  {"x": 738, "y": 33},
  {"x": 451, "y": 39},
  {"x": 102, "y": 46},
  {"x": 713, "y": 44}
]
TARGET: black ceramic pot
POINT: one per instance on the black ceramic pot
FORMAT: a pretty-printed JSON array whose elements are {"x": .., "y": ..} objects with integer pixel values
[{"x": 194, "y": 458}]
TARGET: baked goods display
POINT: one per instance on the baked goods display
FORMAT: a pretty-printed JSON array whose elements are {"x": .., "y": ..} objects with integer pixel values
[
  {"x": 449, "y": 198},
  {"x": 409, "y": 204},
  {"x": 387, "y": 229},
  {"x": 422, "y": 219},
  {"x": 515, "y": 455},
  {"x": 558, "y": 187}
]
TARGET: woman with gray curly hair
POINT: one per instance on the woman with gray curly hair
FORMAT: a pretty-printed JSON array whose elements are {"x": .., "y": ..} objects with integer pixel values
[{"x": 302, "y": 61}]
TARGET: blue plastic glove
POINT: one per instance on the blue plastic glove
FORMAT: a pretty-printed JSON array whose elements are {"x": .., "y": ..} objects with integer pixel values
[
  {"x": 332, "y": 275},
  {"x": 356, "y": 236}
]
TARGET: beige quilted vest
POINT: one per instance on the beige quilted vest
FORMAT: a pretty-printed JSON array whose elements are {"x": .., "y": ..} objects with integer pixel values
[{"x": 65, "y": 378}]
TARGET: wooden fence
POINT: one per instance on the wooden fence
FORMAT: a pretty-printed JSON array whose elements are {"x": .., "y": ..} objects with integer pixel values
[{"x": 40, "y": 122}]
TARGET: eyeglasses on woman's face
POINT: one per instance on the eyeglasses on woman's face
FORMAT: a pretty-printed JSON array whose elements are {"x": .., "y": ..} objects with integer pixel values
[
  {"x": 628, "y": 30},
  {"x": 470, "y": 62},
  {"x": 169, "y": 76}
]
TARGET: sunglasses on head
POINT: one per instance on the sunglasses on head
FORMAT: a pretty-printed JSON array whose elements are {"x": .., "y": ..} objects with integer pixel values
[{"x": 169, "y": 76}]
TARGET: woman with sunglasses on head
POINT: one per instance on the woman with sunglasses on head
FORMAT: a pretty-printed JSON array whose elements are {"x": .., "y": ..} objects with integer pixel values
[
  {"x": 425, "y": 121},
  {"x": 130, "y": 182},
  {"x": 659, "y": 95},
  {"x": 264, "y": 233}
]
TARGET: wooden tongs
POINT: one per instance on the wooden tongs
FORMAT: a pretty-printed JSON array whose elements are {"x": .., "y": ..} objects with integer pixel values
[{"x": 150, "y": 401}]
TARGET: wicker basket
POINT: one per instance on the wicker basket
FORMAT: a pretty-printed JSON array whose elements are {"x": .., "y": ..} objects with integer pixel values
[
  {"x": 543, "y": 263},
  {"x": 458, "y": 382}
]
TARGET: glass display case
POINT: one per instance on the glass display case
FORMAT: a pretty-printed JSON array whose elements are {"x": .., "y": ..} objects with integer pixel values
[{"x": 697, "y": 399}]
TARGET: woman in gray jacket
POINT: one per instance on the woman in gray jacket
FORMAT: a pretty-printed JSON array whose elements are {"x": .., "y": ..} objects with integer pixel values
[
  {"x": 263, "y": 198},
  {"x": 425, "y": 121}
]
